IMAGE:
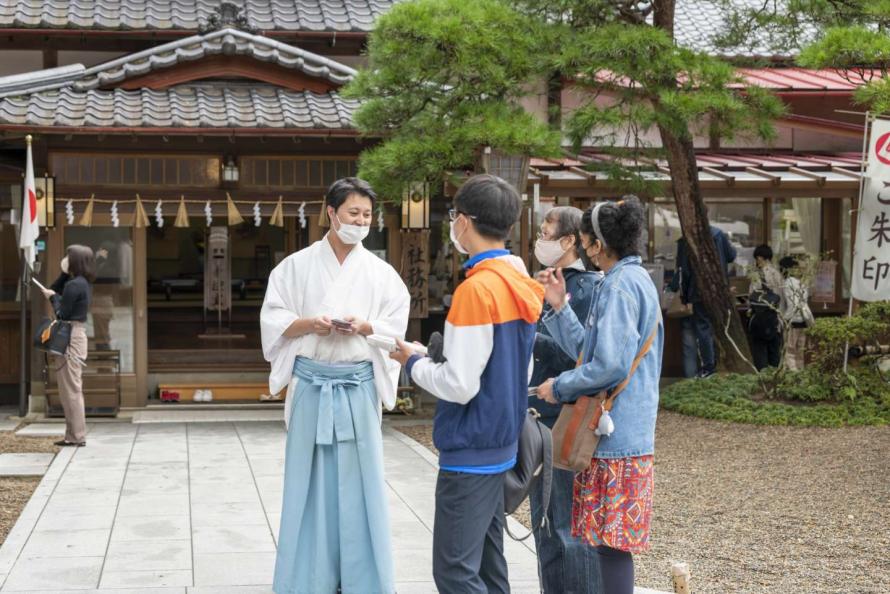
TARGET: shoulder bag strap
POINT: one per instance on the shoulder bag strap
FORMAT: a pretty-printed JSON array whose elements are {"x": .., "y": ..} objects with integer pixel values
[{"x": 643, "y": 352}]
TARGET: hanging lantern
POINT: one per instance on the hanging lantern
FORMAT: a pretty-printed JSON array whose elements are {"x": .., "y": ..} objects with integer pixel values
[
  {"x": 235, "y": 217},
  {"x": 416, "y": 206},
  {"x": 182, "y": 215},
  {"x": 86, "y": 220}
]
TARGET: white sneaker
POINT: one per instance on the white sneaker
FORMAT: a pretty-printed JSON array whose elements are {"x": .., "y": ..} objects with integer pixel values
[
  {"x": 199, "y": 396},
  {"x": 208, "y": 396}
]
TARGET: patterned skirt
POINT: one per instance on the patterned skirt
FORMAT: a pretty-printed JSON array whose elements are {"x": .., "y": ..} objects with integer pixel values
[{"x": 612, "y": 503}]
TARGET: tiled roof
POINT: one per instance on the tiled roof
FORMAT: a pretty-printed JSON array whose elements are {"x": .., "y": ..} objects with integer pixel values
[
  {"x": 806, "y": 80},
  {"x": 699, "y": 23},
  {"x": 186, "y": 106},
  {"x": 226, "y": 41},
  {"x": 166, "y": 15}
]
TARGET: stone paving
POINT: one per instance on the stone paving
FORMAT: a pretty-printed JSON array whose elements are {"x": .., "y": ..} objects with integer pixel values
[{"x": 194, "y": 508}]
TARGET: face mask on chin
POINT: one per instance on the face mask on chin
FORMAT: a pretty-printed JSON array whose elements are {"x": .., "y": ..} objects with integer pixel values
[
  {"x": 456, "y": 241},
  {"x": 351, "y": 234},
  {"x": 549, "y": 251}
]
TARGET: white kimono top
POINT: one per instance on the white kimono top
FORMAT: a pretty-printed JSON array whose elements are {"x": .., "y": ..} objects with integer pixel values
[{"x": 312, "y": 283}]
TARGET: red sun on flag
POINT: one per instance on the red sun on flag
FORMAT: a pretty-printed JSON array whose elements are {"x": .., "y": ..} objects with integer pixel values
[
  {"x": 882, "y": 148},
  {"x": 32, "y": 204}
]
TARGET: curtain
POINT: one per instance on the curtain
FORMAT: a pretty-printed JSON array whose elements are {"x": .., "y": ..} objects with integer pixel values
[{"x": 809, "y": 222}]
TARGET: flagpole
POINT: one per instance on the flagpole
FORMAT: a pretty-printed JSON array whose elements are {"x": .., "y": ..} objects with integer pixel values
[
  {"x": 23, "y": 336},
  {"x": 25, "y": 301},
  {"x": 862, "y": 168}
]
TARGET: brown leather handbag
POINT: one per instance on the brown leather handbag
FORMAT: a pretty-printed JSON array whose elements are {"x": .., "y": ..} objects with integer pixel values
[{"x": 574, "y": 435}]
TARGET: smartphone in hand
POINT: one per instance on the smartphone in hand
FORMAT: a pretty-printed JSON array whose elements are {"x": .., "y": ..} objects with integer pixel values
[{"x": 341, "y": 324}]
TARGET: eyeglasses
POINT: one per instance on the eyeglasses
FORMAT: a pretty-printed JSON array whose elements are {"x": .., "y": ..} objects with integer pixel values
[{"x": 453, "y": 213}]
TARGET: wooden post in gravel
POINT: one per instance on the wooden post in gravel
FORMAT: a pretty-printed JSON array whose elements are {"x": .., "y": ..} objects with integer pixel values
[{"x": 680, "y": 572}]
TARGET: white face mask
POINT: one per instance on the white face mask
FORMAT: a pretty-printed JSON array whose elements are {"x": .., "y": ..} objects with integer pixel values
[
  {"x": 549, "y": 251},
  {"x": 64, "y": 264},
  {"x": 456, "y": 241},
  {"x": 352, "y": 234}
]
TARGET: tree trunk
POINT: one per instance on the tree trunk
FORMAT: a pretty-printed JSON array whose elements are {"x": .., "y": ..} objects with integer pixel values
[{"x": 710, "y": 276}]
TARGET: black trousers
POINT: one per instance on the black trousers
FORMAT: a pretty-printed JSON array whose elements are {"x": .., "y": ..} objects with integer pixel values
[
  {"x": 766, "y": 353},
  {"x": 468, "y": 535}
]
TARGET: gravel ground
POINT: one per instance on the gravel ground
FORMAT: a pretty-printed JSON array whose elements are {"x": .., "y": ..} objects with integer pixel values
[
  {"x": 15, "y": 491},
  {"x": 757, "y": 509}
]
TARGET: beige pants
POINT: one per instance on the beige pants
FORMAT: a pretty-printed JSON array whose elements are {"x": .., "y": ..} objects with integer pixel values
[
  {"x": 68, "y": 375},
  {"x": 795, "y": 348}
]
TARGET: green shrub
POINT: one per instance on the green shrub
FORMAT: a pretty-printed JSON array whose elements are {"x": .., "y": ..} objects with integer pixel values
[{"x": 740, "y": 399}]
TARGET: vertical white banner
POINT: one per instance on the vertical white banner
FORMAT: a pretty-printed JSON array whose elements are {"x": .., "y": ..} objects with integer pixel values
[{"x": 871, "y": 258}]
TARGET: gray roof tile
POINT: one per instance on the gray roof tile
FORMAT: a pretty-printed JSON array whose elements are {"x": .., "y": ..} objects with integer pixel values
[
  {"x": 188, "y": 106},
  {"x": 285, "y": 15}
]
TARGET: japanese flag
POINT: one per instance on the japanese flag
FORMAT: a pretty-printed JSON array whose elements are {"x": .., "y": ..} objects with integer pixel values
[{"x": 29, "y": 228}]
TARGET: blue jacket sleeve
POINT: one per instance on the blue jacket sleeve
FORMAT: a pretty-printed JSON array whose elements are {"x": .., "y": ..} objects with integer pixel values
[
  {"x": 730, "y": 250},
  {"x": 566, "y": 330},
  {"x": 617, "y": 340}
]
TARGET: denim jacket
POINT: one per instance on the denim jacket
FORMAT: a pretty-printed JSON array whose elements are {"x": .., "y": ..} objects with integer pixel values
[
  {"x": 550, "y": 359},
  {"x": 624, "y": 311}
]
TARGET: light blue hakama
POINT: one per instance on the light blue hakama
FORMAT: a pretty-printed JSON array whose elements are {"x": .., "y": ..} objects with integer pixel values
[{"x": 334, "y": 518}]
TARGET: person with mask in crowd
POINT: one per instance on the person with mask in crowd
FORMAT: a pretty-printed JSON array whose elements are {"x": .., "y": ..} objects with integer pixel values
[
  {"x": 797, "y": 314},
  {"x": 482, "y": 387},
  {"x": 612, "y": 503},
  {"x": 567, "y": 564},
  {"x": 766, "y": 302},
  {"x": 699, "y": 351},
  {"x": 70, "y": 296},
  {"x": 321, "y": 303}
]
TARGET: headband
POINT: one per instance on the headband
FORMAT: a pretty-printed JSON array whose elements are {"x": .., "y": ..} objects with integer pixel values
[{"x": 595, "y": 219}]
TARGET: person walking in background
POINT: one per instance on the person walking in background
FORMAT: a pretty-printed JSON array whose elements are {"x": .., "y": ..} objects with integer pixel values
[
  {"x": 766, "y": 303},
  {"x": 699, "y": 353},
  {"x": 482, "y": 387},
  {"x": 796, "y": 313},
  {"x": 70, "y": 296},
  {"x": 567, "y": 564},
  {"x": 612, "y": 503}
]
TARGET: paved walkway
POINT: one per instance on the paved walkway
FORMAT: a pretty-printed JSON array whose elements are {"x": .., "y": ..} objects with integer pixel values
[{"x": 194, "y": 508}]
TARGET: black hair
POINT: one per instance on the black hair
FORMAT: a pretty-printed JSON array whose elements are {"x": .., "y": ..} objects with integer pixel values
[
  {"x": 492, "y": 204},
  {"x": 763, "y": 251},
  {"x": 621, "y": 223},
  {"x": 341, "y": 189},
  {"x": 787, "y": 264},
  {"x": 81, "y": 262},
  {"x": 568, "y": 223}
]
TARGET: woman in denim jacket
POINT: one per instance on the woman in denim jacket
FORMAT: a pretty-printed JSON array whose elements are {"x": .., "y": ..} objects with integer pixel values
[
  {"x": 612, "y": 503},
  {"x": 567, "y": 564}
]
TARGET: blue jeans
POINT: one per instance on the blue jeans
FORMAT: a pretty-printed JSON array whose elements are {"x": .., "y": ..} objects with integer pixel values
[
  {"x": 698, "y": 343},
  {"x": 568, "y": 565}
]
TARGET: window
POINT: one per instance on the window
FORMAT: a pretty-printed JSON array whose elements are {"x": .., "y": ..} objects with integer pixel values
[
  {"x": 284, "y": 173},
  {"x": 136, "y": 170},
  {"x": 796, "y": 226},
  {"x": 110, "y": 323}
]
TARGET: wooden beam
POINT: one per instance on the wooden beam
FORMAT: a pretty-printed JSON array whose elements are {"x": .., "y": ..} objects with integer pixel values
[
  {"x": 724, "y": 175},
  {"x": 539, "y": 173},
  {"x": 820, "y": 179},
  {"x": 589, "y": 175},
  {"x": 846, "y": 172},
  {"x": 775, "y": 179}
]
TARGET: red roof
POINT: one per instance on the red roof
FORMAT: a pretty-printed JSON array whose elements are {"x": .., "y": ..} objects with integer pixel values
[
  {"x": 726, "y": 160},
  {"x": 806, "y": 80}
]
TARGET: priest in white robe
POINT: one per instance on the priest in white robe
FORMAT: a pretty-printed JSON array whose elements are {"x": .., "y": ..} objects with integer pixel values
[{"x": 334, "y": 533}]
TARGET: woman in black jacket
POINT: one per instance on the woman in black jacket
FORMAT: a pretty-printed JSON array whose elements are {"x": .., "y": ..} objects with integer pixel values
[{"x": 70, "y": 296}]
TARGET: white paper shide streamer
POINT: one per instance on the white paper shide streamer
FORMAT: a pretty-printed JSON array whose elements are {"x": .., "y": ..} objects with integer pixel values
[
  {"x": 115, "y": 219},
  {"x": 159, "y": 214},
  {"x": 302, "y": 214},
  {"x": 380, "y": 222},
  {"x": 69, "y": 212},
  {"x": 208, "y": 212},
  {"x": 257, "y": 217}
]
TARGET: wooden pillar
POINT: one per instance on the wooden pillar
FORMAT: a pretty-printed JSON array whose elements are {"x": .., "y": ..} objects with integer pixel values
[{"x": 50, "y": 58}]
